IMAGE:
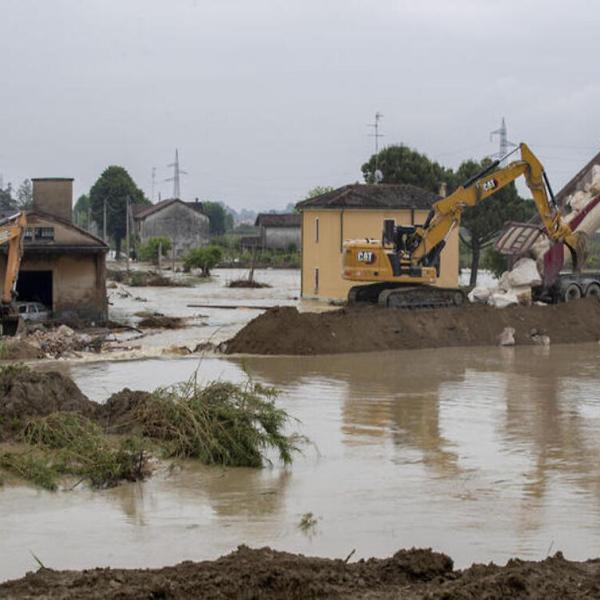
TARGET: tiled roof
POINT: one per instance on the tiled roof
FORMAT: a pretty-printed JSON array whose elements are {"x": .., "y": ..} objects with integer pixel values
[
  {"x": 278, "y": 220},
  {"x": 373, "y": 196}
]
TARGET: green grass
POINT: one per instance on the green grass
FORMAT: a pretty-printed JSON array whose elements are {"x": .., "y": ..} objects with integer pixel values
[{"x": 66, "y": 443}]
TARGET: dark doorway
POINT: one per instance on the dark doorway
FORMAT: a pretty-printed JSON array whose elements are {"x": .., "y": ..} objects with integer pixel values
[{"x": 35, "y": 286}]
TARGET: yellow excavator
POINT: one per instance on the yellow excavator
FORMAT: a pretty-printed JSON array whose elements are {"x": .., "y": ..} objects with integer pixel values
[
  {"x": 12, "y": 230},
  {"x": 401, "y": 269}
]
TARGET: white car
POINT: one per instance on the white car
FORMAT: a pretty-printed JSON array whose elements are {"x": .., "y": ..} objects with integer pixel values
[{"x": 32, "y": 311}]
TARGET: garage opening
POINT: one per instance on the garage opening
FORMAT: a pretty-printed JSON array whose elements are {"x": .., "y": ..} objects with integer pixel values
[{"x": 35, "y": 286}]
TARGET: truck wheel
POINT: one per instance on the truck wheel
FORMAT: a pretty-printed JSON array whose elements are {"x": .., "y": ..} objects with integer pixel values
[
  {"x": 592, "y": 290},
  {"x": 572, "y": 292}
]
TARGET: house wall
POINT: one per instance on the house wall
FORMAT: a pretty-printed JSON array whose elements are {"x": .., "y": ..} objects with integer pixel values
[
  {"x": 78, "y": 282},
  {"x": 184, "y": 226},
  {"x": 280, "y": 238},
  {"x": 335, "y": 227}
]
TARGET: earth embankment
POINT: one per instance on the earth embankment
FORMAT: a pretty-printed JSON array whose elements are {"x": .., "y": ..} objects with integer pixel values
[
  {"x": 284, "y": 330},
  {"x": 266, "y": 574}
]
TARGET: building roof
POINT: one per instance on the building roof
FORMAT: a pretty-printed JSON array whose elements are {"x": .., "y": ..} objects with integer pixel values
[
  {"x": 140, "y": 212},
  {"x": 571, "y": 186},
  {"x": 278, "y": 220},
  {"x": 373, "y": 196}
]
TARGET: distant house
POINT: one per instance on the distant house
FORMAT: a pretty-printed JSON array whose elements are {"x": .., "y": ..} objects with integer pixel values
[
  {"x": 353, "y": 212},
  {"x": 183, "y": 223},
  {"x": 279, "y": 231}
]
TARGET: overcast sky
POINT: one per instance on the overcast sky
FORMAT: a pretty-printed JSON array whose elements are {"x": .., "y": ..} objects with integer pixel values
[{"x": 265, "y": 99}]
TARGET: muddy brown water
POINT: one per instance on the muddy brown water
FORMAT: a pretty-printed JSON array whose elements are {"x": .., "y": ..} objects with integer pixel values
[{"x": 481, "y": 453}]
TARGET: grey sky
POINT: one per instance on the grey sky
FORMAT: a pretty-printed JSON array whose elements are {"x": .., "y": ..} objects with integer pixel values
[{"x": 266, "y": 99}]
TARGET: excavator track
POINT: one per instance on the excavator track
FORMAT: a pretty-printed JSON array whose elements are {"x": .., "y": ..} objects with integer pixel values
[{"x": 405, "y": 297}]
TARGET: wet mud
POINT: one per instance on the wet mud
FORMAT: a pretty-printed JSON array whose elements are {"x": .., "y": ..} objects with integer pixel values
[
  {"x": 284, "y": 330},
  {"x": 268, "y": 574}
]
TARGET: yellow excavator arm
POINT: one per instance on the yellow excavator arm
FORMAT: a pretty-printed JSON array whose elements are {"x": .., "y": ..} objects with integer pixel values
[
  {"x": 446, "y": 213},
  {"x": 12, "y": 230}
]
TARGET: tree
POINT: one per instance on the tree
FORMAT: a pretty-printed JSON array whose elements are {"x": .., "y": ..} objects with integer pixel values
[
  {"x": 220, "y": 219},
  {"x": 113, "y": 187},
  {"x": 203, "y": 258},
  {"x": 81, "y": 211},
  {"x": 400, "y": 164},
  {"x": 25, "y": 195},
  {"x": 148, "y": 251},
  {"x": 481, "y": 223},
  {"x": 318, "y": 190},
  {"x": 7, "y": 202}
]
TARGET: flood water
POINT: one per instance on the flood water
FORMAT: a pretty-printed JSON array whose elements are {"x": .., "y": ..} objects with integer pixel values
[{"x": 482, "y": 453}]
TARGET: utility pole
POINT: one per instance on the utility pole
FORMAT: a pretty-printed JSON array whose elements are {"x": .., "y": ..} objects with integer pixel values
[
  {"x": 153, "y": 183},
  {"x": 376, "y": 135},
  {"x": 89, "y": 217},
  {"x": 505, "y": 144},
  {"x": 127, "y": 231},
  {"x": 176, "y": 179},
  {"x": 104, "y": 221}
]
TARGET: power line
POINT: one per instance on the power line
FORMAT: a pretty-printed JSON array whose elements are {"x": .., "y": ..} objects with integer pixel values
[{"x": 505, "y": 144}]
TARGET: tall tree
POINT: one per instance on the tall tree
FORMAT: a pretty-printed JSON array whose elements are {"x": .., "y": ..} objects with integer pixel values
[
  {"x": 481, "y": 223},
  {"x": 7, "y": 202},
  {"x": 82, "y": 211},
  {"x": 401, "y": 164},
  {"x": 220, "y": 219},
  {"x": 111, "y": 190},
  {"x": 25, "y": 195}
]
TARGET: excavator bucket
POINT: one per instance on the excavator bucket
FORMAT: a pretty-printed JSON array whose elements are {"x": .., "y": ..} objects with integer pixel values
[
  {"x": 578, "y": 246},
  {"x": 9, "y": 322}
]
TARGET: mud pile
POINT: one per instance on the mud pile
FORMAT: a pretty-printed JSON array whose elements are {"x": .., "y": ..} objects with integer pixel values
[
  {"x": 283, "y": 330},
  {"x": 117, "y": 414},
  {"x": 25, "y": 393},
  {"x": 270, "y": 575},
  {"x": 159, "y": 321}
]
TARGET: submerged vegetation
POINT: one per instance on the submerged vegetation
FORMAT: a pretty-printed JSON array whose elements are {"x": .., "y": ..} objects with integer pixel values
[{"x": 220, "y": 423}]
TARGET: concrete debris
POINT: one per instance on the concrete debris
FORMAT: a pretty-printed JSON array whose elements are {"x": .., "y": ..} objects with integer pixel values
[
  {"x": 507, "y": 337},
  {"x": 539, "y": 338},
  {"x": 514, "y": 286},
  {"x": 62, "y": 342}
]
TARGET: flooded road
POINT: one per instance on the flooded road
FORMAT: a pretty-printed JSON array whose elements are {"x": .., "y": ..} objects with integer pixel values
[{"x": 482, "y": 453}]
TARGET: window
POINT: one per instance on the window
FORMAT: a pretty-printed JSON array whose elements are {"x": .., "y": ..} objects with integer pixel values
[
  {"x": 316, "y": 229},
  {"x": 316, "y": 280},
  {"x": 39, "y": 233}
]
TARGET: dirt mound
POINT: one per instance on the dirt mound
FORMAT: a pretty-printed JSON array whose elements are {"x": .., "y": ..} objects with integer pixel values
[
  {"x": 247, "y": 283},
  {"x": 161, "y": 322},
  {"x": 266, "y": 574},
  {"x": 245, "y": 573},
  {"x": 25, "y": 393},
  {"x": 116, "y": 415},
  {"x": 283, "y": 330},
  {"x": 17, "y": 349}
]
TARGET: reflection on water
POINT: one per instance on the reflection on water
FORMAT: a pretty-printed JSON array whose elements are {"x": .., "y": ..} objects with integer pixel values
[{"x": 481, "y": 453}]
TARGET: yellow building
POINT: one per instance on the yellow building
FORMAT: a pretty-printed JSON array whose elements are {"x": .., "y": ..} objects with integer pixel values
[{"x": 358, "y": 211}]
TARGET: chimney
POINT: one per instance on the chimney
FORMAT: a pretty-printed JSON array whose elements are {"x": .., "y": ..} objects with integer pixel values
[{"x": 54, "y": 196}]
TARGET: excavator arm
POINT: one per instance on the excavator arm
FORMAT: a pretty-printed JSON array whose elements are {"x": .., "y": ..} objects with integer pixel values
[
  {"x": 445, "y": 215},
  {"x": 11, "y": 232}
]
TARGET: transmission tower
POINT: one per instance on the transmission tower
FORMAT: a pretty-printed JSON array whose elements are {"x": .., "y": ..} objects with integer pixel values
[
  {"x": 376, "y": 135},
  {"x": 177, "y": 172},
  {"x": 505, "y": 144}
]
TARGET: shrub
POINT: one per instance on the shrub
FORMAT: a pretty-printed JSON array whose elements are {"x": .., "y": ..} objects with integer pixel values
[
  {"x": 148, "y": 251},
  {"x": 220, "y": 423},
  {"x": 203, "y": 258}
]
